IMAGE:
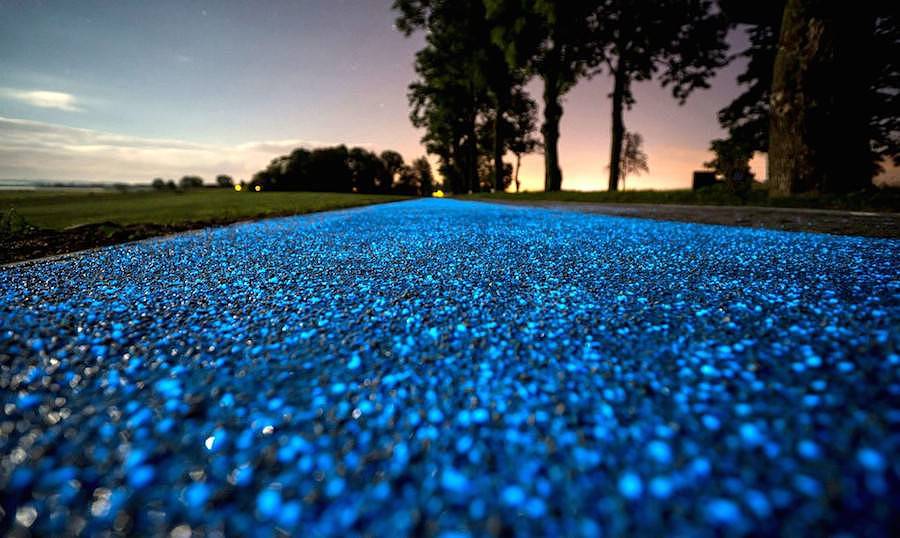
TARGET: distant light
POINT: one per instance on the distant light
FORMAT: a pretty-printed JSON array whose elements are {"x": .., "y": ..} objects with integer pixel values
[
  {"x": 438, "y": 194},
  {"x": 257, "y": 188},
  {"x": 238, "y": 188}
]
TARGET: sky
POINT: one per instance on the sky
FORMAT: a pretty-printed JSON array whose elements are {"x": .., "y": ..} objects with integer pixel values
[{"x": 131, "y": 90}]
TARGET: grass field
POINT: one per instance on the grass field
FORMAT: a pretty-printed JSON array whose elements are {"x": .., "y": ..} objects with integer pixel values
[
  {"x": 884, "y": 199},
  {"x": 57, "y": 209}
]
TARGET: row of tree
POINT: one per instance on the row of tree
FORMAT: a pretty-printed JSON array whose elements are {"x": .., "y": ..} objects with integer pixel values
[
  {"x": 339, "y": 169},
  {"x": 469, "y": 94},
  {"x": 189, "y": 182},
  {"x": 479, "y": 54}
]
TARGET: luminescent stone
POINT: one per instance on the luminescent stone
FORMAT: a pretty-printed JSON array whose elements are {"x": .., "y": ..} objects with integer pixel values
[{"x": 438, "y": 366}]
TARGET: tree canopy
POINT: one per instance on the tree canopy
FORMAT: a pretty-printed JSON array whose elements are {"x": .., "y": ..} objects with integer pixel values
[{"x": 339, "y": 169}]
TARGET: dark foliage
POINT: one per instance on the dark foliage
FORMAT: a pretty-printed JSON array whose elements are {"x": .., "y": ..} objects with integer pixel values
[{"x": 338, "y": 169}]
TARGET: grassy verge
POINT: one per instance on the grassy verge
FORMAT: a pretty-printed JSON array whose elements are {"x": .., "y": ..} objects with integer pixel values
[
  {"x": 57, "y": 210},
  {"x": 41, "y": 223},
  {"x": 882, "y": 200}
]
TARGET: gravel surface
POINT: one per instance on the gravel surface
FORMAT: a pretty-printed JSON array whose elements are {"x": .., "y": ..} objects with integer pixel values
[{"x": 441, "y": 367}]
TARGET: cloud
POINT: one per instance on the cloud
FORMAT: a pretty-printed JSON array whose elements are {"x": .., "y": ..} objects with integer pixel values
[
  {"x": 45, "y": 99},
  {"x": 38, "y": 150}
]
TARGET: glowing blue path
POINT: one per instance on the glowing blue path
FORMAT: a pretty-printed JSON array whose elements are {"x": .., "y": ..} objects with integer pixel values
[{"x": 446, "y": 367}]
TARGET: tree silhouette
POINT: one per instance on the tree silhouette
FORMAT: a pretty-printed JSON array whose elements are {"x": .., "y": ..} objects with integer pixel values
[
  {"x": 679, "y": 42},
  {"x": 521, "y": 124},
  {"x": 547, "y": 39},
  {"x": 190, "y": 182},
  {"x": 451, "y": 89},
  {"x": 330, "y": 169},
  {"x": 747, "y": 117},
  {"x": 224, "y": 181},
  {"x": 367, "y": 169},
  {"x": 732, "y": 162},
  {"x": 422, "y": 169},
  {"x": 634, "y": 160},
  {"x": 393, "y": 164}
]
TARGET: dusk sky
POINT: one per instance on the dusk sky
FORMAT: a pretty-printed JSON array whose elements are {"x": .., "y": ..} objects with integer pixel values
[{"x": 128, "y": 91}]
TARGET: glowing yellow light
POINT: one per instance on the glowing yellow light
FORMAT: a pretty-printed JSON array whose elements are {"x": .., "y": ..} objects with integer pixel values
[
  {"x": 438, "y": 194},
  {"x": 237, "y": 188},
  {"x": 257, "y": 188}
]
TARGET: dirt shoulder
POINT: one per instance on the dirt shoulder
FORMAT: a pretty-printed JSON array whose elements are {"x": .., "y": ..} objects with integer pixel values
[
  {"x": 40, "y": 243},
  {"x": 775, "y": 218}
]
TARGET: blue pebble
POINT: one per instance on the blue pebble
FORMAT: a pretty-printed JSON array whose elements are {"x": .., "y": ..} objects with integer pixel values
[
  {"x": 512, "y": 495},
  {"x": 660, "y": 452},
  {"x": 661, "y": 487},
  {"x": 711, "y": 422},
  {"x": 140, "y": 476},
  {"x": 751, "y": 434},
  {"x": 28, "y": 401},
  {"x": 268, "y": 503},
  {"x": 631, "y": 486},
  {"x": 808, "y": 449},
  {"x": 289, "y": 515},
  {"x": 870, "y": 459},
  {"x": 197, "y": 494},
  {"x": 480, "y": 416},
  {"x": 723, "y": 512},
  {"x": 454, "y": 481}
]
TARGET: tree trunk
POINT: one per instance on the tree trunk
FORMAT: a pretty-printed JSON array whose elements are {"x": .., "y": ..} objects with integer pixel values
[
  {"x": 471, "y": 157},
  {"x": 456, "y": 181},
  {"x": 552, "y": 115},
  {"x": 818, "y": 130},
  {"x": 499, "y": 146},
  {"x": 618, "y": 125},
  {"x": 516, "y": 173}
]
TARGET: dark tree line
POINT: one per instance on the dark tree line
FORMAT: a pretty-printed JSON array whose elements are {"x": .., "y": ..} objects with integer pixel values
[
  {"x": 185, "y": 183},
  {"x": 339, "y": 169},
  {"x": 831, "y": 70}
]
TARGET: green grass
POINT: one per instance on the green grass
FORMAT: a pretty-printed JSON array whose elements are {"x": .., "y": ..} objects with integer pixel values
[
  {"x": 884, "y": 199},
  {"x": 56, "y": 209}
]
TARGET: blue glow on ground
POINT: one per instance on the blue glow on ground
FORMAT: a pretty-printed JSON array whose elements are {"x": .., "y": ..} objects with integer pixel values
[{"x": 461, "y": 368}]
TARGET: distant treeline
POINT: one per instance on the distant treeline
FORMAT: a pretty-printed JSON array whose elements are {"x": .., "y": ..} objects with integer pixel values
[
  {"x": 329, "y": 169},
  {"x": 338, "y": 169},
  {"x": 190, "y": 182}
]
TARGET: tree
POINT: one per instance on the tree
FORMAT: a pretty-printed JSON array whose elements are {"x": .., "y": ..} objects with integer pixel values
[
  {"x": 448, "y": 94},
  {"x": 818, "y": 120},
  {"x": 407, "y": 182},
  {"x": 546, "y": 39},
  {"x": 679, "y": 42},
  {"x": 747, "y": 117},
  {"x": 422, "y": 169},
  {"x": 329, "y": 169},
  {"x": 190, "y": 182},
  {"x": 732, "y": 162},
  {"x": 158, "y": 184},
  {"x": 464, "y": 83},
  {"x": 224, "y": 181},
  {"x": 368, "y": 171},
  {"x": 521, "y": 125},
  {"x": 393, "y": 163},
  {"x": 634, "y": 160}
]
